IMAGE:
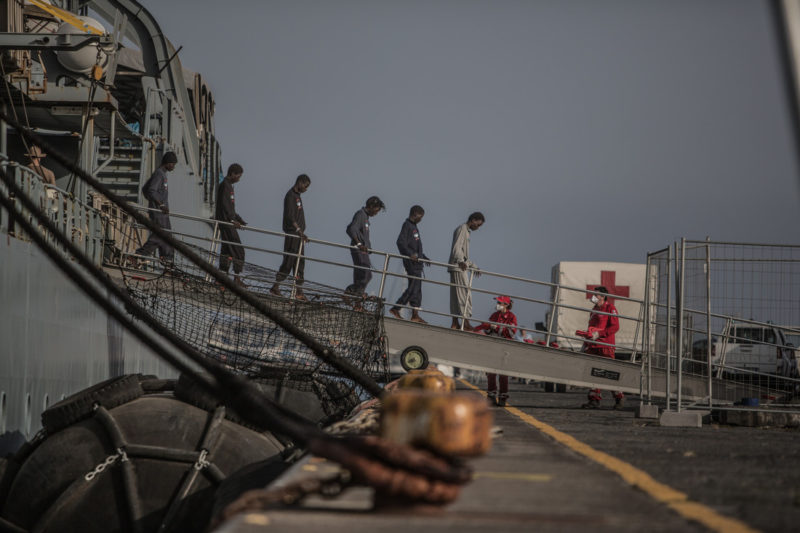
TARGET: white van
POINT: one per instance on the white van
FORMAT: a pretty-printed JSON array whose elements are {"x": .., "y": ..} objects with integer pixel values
[{"x": 756, "y": 348}]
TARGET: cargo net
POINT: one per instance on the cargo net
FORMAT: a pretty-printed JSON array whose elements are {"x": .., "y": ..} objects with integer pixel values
[{"x": 223, "y": 327}]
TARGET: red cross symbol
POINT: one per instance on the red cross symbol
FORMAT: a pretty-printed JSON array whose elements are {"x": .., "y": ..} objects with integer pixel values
[{"x": 608, "y": 279}]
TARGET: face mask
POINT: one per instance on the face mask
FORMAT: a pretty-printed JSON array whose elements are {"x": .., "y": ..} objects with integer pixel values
[
  {"x": 499, "y": 307},
  {"x": 594, "y": 299}
]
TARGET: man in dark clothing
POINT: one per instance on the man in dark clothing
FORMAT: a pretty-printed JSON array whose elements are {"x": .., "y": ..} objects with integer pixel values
[
  {"x": 294, "y": 225},
  {"x": 409, "y": 244},
  {"x": 155, "y": 190},
  {"x": 231, "y": 249},
  {"x": 358, "y": 230}
]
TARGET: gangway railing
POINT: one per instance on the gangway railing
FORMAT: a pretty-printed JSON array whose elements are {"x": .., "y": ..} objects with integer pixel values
[{"x": 384, "y": 273}]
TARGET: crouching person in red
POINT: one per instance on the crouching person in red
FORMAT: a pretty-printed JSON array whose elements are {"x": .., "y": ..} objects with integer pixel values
[
  {"x": 502, "y": 315},
  {"x": 602, "y": 328}
]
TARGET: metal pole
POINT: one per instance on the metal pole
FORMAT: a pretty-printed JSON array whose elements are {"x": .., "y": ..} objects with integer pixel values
[
  {"x": 708, "y": 322},
  {"x": 383, "y": 274},
  {"x": 4, "y": 150},
  {"x": 680, "y": 320},
  {"x": 469, "y": 296},
  {"x": 646, "y": 332},
  {"x": 297, "y": 266},
  {"x": 552, "y": 314},
  {"x": 213, "y": 245},
  {"x": 668, "y": 372}
]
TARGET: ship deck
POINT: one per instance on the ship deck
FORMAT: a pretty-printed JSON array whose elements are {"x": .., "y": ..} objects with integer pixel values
[{"x": 557, "y": 467}]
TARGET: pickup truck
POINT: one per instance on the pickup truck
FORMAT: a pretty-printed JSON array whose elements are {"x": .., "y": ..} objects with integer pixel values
[{"x": 752, "y": 347}]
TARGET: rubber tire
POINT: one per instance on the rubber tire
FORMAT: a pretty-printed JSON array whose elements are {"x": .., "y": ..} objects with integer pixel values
[
  {"x": 190, "y": 392},
  {"x": 110, "y": 393},
  {"x": 420, "y": 352}
]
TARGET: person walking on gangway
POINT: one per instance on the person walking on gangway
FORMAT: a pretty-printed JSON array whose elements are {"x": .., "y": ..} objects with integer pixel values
[
  {"x": 602, "y": 328},
  {"x": 157, "y": 193},
  {"x": 294, "y": 225},
  {"x": 358, "y": 231},
  {"x": 231, "y": 249},
  {"x": 502, "y": 315},
  {"x": 460, "y": 265},
  {"x": 410, "y": 244}
]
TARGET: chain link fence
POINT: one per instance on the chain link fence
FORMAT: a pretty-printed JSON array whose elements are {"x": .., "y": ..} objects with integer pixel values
[{"x": 727, "y": 314}]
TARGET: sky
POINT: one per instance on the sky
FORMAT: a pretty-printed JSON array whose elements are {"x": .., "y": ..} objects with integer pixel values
[{"x": 583, "y": 130}]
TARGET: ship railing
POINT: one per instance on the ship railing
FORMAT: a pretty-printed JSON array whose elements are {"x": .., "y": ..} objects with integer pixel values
[
  {"x": 532, "y": 298},
  {"x": 73, "y": 218}
]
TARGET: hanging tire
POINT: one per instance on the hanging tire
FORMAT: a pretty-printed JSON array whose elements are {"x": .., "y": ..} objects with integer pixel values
[
  {"x": 414, "y": 358},
  {"x": 109, "y": 394},
  {"x": 161, "y": 437},
  {"x": 305, "y": 403}
]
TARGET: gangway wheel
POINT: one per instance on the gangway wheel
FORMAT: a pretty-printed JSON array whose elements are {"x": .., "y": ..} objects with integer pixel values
[{"x": 414, "y": 358}]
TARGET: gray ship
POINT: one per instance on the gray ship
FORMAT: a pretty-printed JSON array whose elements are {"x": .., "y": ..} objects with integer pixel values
[{"x": 115, "y": 109}]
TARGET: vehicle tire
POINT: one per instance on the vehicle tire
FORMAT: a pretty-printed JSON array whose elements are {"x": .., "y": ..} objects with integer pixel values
[
  {"x": 414, "y": 358},
  {"x": 110, "y": 393}
]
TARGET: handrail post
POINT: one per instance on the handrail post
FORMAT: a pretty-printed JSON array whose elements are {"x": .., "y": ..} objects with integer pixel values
[
  {"x": 213, "y": 245},
  {"x": 296, "y": 266},
  {"x": 552, "y": 315},
  {"x": 469, "y": 297},
  {"x": 383, "y": 274}
]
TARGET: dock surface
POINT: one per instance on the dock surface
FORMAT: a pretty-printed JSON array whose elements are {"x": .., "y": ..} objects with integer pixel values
[{"x": 557, "y": 467}]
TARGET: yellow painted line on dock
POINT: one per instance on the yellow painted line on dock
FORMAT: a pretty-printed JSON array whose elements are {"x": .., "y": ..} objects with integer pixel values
[
  {"x": 674, "y": 499},
  {"x": 516, "y": 476}
]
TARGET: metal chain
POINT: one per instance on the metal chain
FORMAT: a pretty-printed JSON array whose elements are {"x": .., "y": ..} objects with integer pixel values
[
  {"x": 201, "y": 462},
  {"x": 110, "y": 460}
]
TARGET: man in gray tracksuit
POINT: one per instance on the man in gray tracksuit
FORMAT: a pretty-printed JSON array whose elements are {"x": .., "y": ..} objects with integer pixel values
[
  {"x": 358, "y": 230},
  {"x": 460, "y": 265},
  {"x": 157, "y": 194}
]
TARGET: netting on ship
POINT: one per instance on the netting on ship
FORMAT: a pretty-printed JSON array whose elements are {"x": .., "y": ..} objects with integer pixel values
[{"x": 223, "y": 327}]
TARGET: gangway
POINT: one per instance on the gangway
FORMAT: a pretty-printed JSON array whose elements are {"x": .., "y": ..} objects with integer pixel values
[{"x": 645, "y": 373}]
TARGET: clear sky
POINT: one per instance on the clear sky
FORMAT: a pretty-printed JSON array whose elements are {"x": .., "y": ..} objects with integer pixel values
[{"x": 583, "y": 130}]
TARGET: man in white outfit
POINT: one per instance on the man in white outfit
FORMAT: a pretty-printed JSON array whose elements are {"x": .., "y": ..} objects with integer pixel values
[{"x": 460, "y": 265}]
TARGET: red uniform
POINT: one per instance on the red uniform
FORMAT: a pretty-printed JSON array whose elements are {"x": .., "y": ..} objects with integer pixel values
[
  {"x": 490, "y": 329},
  {"x": 606, "y": 326},
  {"x": 503, "y": 318}
]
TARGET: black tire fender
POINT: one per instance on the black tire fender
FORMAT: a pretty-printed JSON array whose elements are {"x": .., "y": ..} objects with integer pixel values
[{"x": 109, "y": 393}]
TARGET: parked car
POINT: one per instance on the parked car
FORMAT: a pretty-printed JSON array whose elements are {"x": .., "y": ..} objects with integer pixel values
[{"x": 764, "y": 349}]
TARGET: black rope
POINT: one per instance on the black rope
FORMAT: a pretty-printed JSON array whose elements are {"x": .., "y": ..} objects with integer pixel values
[{"x": 322, "y": 351}]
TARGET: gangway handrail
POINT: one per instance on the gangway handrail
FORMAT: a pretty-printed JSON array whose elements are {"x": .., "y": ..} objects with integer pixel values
[
  {"x": 391, "y": 255},
  {"x": 386, "y": 272}
]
